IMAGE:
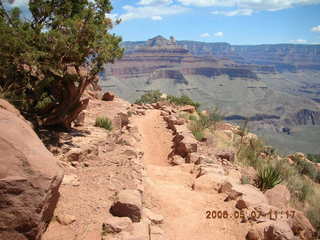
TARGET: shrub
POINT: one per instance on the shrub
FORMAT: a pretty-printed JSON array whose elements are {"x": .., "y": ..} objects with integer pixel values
[
  {"x": 104, "y": 122},
  {"x": 149, "y": 97},
  {"x": 193, "y": 118},
  {"x": 286, "y": 170},
  {"x": 215, "y": 115},
  {"x": 314, "y": 157},
  {"x": 268, "y": 177},
  {"x": 197, "y": 129},
  {"x": 245, "y": 180},
  {"x": 306, "y": 190},
  {"x": 198, "y": 134},
  {"x": 249, "y": 154},
  {"x": 183, "y": 100},
  {"x": 307, "y": 168}
]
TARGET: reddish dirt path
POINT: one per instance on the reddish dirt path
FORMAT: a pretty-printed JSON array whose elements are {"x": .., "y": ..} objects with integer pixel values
[
  {"x": 157, "y": 140},
  {"x": 168, "y": 190}
]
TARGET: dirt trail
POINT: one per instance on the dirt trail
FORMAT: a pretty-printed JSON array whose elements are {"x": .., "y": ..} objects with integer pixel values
[
  {"x": 157, "y": 140},
  {"x": 168, "y": 190}
]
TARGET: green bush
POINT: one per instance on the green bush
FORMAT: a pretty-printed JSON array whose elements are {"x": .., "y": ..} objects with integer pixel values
[
  {"x": 313, "y": 212},
  {"x": 314, "y": 157},
  {"x": 193, "y": 118},
  {"x": 245, "y": 180},
  {"x": 198, "y": 134},
  {"x": 197, "y": 129},
  {"x": 268, "y": 177},
  {"x": 307, "y": 168},
  {"x": 104, "y": 122},
  {"x": 305, "y": 191},
  {"x": 183, "y": 100},
  {"x": 149, "y": 97}
]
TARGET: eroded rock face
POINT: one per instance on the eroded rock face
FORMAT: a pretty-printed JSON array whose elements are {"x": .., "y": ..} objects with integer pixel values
[{"x": 29, "y": 180}]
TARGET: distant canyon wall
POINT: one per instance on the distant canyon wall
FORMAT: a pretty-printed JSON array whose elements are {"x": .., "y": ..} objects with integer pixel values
[{"x": 283, "y": 57}]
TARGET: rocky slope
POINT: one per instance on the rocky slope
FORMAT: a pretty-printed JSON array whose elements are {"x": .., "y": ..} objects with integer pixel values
[{"x": 150, "y": 179}]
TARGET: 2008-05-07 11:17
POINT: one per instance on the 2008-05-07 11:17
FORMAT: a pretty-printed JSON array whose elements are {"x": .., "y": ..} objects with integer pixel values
[{"x": 272, "y": 214}]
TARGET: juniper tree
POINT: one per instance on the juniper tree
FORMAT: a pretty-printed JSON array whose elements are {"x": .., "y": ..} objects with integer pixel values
[{"x": 50, "y": 56}]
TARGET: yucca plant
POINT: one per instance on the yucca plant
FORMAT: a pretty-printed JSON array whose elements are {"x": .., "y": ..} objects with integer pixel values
[
  {"x": 268, "y": 177},
  {"x": 104, "y": 122}
]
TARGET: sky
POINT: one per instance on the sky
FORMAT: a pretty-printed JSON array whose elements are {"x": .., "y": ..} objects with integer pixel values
[
  {"x": 240, "y": 22},
  {"x": 233, "y": 21}
]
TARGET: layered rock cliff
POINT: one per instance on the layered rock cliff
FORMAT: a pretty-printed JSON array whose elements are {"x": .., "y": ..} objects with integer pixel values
[
  {"x": 162, "y": 58},
  {"x": 283, "y": 57}
]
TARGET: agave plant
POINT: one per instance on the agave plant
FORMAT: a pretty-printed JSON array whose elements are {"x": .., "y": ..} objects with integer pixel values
[{"x": 268, "y": 178}]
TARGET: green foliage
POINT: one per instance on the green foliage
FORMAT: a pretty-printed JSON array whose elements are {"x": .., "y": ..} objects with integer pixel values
[
  {"x": 182, "y": 100},
  {"x": 149, "y": 97},
  {"x": 48, "y": 60},
  {"x": 244, "y": 128},
  {"x": 313, "y": 212},
  {"x": 197, "y": 129},
  {"x": 245, "y": 180},
  {"x": 198, "y": 134},
  {"x": 268, "y": 177},
  {"x": 307, "y": 168},
  {"x": 193, "y": 118},
  {"x": 314, "y": 157},
  {"x": 249, "y": 153},
  {"x": 104, "y": 122}
]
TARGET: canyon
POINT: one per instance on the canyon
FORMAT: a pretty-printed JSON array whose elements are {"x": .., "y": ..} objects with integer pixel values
[{"x": 276, "y": 86}]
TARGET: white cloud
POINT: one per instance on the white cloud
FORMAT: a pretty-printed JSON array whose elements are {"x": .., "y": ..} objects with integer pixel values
[
  {"x": 154, "y": 2},
  {"x": 112, "y": 16},
  {"x": 19, "y": 3},
  {"x": 156, "y": 18},
  {"x": 205, "y": 35},
  {"x": 151, "y": 12},
  {"x": 218, "y": 34},
  {"x": 270, "y": 5},
  {"x": 299, "y": 41},
  {"x": 316, "y": 29},
  {"x": 238, "y": 12}
]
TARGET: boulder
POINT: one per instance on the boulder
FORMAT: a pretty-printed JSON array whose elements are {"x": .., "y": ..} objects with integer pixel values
[
  {"x": 184, "y": 143},
  {"x": 227, "y": 155},
  {"x": 124, "y": 118},
  {"x": 153, "y": 217},
  {"x": 156, "y": 233},
  {"x": 252, "y": 235},
  {"x": 210, "y": 183},
  {"x": 140, "y": 231},
  {"x": 251, "y": 196},
  {"x": 71, "y": 180},
  {"x": 188, "y": 108},
  {"x": 116, "y": 225},
  {"x": 108, "y": 96},
  {"x": 279, "y": 196},
  {"x": 65, "y": 219},
  {"x": 29, "y": 179},
  {"x": 300, "y": 225},
  {"x": 279, "y": 230},
  {"x": 177, "y": 160},
  {"x": 216, "y": 169},
  {"x": 128, "y": 204}
]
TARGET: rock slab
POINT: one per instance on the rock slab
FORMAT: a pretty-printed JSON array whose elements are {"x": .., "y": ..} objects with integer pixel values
[{"x": 29, "y": 179}]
